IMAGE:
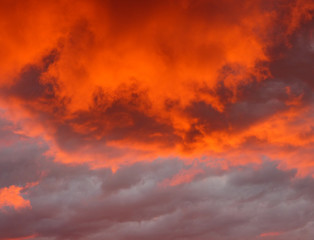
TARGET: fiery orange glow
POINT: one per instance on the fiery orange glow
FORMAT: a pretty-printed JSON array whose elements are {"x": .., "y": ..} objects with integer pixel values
[
  {"x": 91, "y": 90},
  {"x": 95, "y": 66},
  {"x": 99, "y": 76}
]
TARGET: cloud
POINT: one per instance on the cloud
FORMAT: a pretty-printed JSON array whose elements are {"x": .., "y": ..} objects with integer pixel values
[
  {"x": 156, "y": 120},
  {"x": 11, "y": 197},
  {"x": 76, "y": 202},
  {"x": 119, "y": 81},
  {"x": 135, "y": 202}
]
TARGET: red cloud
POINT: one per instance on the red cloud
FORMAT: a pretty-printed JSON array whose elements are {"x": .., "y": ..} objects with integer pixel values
[{"x": 109, "y": 82}]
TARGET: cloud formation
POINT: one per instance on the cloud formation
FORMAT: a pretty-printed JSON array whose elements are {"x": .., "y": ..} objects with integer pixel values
[
  {"x": 76, "y": 202},
  {"x": 10, "y": 197},
  {"x": 156, "y": 119},
  {"x": 133, "y": 76}
]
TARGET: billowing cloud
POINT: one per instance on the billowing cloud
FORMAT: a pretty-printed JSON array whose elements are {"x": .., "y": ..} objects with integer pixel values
[
  {"x": 156, "y": 119},
  {"x": 108, "y": 82}
]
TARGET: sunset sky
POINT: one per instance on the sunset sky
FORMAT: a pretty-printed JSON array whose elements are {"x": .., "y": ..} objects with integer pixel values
[{"x": 157, "y": 119}]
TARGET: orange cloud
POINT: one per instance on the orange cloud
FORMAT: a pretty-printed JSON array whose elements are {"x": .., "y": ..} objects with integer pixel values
[
  {"x": 109, "y": 82},
  {"x": 10, "y": 196}
]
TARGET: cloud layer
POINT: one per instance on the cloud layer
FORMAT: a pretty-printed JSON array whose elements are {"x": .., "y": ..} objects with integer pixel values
[
  {"x": 138, "y": 201},
  {"x": 156, "y": 119}
]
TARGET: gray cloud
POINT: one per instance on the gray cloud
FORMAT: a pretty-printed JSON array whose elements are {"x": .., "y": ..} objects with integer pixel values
[{"x": 76, "y": 202}]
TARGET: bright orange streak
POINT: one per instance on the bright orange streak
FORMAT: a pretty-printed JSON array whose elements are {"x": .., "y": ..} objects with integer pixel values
[
  {"x": 22, "y": 238},
  {"x": 270, "y": 234},
  {"x": 184, "y": 176}
]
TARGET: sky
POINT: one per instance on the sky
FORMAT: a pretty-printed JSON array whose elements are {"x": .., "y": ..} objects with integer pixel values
[{"x": 156, "y": 119}]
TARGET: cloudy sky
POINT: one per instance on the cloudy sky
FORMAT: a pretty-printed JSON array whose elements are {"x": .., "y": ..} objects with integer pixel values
[{"x": 157, "y": 119}]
